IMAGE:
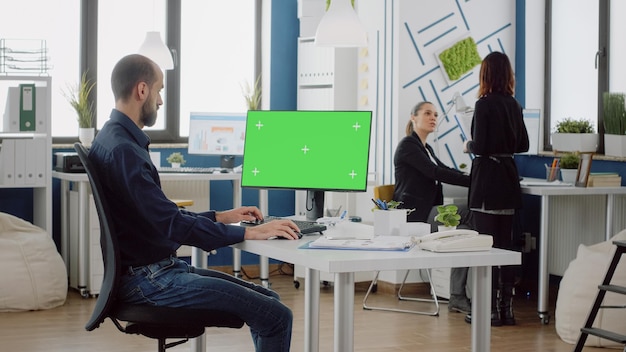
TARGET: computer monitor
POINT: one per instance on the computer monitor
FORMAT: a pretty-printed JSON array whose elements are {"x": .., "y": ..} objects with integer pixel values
[
  {"x": 315, "y": 151},
  {"x": 213, "y": 133}
]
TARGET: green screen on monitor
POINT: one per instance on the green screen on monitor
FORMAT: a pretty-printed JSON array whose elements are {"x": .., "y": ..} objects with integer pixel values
[{"x": 313, "y": 150}]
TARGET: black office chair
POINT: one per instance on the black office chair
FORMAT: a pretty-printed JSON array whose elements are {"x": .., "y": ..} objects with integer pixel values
[{"x": 159, "y": 323}]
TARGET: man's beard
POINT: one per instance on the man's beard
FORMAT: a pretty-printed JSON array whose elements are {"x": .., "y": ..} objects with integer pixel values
[{"x": 148, "y": 116}]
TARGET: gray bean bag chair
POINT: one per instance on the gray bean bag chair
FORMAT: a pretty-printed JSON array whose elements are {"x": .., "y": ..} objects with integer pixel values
[
  {"x": 578, "y": 290},
  {"x": 33, "y": 273}
]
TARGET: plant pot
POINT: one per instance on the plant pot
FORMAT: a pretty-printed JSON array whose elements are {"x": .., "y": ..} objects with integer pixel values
[
  {"x": 176, "y": 165},
  {"x": 575, "y": 142},
  {"x": 86, "y": 136},
  {"x": 445, "y": 228},
  {"x": 569, "y": 175},
  {"x": 615, "y": 145}
]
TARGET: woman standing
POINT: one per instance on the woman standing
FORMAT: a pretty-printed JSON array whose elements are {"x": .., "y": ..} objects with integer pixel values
[
  {"x": 419, "y": 174},
  {"x": 498, "y": 131}
]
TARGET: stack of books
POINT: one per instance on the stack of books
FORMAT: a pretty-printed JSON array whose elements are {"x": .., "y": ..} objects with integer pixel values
[{"x": 604, "y": 179}]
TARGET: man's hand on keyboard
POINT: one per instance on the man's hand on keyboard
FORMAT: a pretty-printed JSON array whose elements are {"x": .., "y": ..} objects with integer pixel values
[
  {"x": 239, "y": 214},
  {"x": 276, "y": 228}
]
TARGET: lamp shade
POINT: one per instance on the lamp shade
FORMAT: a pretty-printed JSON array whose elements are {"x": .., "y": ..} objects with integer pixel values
[
  {"x": 154, "y": 48},
  {"x": 341, "y": 27}
]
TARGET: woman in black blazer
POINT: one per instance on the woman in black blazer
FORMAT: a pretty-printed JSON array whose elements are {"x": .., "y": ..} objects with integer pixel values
[
  {"x": 498, "y": 131},
  {"x": 419, "y": 174}
]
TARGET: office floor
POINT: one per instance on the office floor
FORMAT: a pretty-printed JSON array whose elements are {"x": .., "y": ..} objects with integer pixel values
[{"x": 62, "y": 329}]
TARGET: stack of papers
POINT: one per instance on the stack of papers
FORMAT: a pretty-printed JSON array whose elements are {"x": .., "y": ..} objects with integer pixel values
[{"x": 378, "y": 243}]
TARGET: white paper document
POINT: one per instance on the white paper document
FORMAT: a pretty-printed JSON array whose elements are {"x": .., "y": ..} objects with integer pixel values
[{"x": 377, "y": 243}]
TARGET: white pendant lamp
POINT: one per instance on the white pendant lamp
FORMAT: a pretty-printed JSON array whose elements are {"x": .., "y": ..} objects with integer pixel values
[
  {"x": 154, "y": 48},
  {"x": 341, "y": 27}
]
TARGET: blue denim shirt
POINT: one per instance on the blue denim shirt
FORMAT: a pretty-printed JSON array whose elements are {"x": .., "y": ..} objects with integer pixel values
[{"x": 149, "y": 227}]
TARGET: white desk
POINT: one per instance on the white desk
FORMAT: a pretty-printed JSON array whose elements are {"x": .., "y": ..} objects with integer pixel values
[
  {"x": 343, "y": 264},
  {"x": 198, "y": 256},
  {"x": 546, "y": 192}
]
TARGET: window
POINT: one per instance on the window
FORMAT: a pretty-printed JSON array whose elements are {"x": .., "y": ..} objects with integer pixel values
[
  {"x": 56, "y": 22},
  {"x": 574, "y": 78},
  {"x": 214, "y": 66},
  {"x": 582, "y": 33},
  {"x": 617, "y": 54},
  {"x": 121, "y": 33}
]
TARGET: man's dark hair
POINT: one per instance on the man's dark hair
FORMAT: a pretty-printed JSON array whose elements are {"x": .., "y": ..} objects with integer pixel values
[{"x": 129, "y": 71}]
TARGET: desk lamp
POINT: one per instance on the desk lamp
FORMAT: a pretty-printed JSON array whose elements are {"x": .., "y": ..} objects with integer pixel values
[{"x": 460, "y": 107}]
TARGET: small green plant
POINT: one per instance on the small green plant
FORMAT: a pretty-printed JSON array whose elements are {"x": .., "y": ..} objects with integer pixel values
[
  {"x": 176, "y": 157},
  {"x": 448, "y": 215},
  {"x": 78, "y": 97},
  {"x": 614, "y": 113},
  {"x": 569, "y": 161},
  {"x": 570, "y": 125}
]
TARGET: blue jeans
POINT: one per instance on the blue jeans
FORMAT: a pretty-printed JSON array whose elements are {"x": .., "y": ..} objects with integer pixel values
[{"x": 172, "y": 282}]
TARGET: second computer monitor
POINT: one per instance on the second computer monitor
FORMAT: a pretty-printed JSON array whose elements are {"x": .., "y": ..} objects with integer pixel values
[{"x": 213, "y": 133}]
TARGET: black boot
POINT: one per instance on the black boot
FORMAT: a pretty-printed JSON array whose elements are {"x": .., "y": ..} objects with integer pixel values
[
  {"x": 507, "y": 316},
  {"x": 496, "y": 300},
  {"x": 496, "y": 319}
]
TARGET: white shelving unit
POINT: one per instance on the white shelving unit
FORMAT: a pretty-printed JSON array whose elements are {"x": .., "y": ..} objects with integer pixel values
[
  {"x": 25, "y": 156},
  {"x": 326, "y": 81}
]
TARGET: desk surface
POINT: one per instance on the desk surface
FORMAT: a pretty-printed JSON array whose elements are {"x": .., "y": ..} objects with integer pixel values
[
  {"x": 166, "y": 176},
  {"x": 548, "y": 190},
  {"x": 338, "y": 261}
]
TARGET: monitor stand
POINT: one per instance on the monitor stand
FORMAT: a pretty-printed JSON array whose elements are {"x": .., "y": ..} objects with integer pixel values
[{"x": 314, "y": 205}]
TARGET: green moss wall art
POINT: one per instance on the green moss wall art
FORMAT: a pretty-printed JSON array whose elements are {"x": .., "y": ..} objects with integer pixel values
[{"x": 460, "y": 58}]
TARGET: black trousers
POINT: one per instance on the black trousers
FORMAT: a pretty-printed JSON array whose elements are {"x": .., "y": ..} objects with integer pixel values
[{"x": 501, "y": 228}]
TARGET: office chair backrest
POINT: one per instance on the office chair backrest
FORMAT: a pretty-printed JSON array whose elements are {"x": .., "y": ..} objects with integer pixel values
[
  {"x": 110, "y": 254},
  {"x": 384, "y": 192}
]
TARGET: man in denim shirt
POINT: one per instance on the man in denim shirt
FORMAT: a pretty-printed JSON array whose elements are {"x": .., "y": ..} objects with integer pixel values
[{"x": 150, "y": 228}]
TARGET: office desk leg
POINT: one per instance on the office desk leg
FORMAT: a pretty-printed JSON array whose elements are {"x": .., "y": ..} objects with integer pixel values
[
  {"x": 312, "y": 311},
  {"x": 237, "y": 262},
  {"x": 481, "y": 309},
  {"x": 65, "y": 232},
  {"x": 83, "y": 238},
  {"x": 344, "y": 312},
  {"x": 543, "y": 289},
  {"x": 199, "y": 260},
  {"x": 264, "y": 274}
]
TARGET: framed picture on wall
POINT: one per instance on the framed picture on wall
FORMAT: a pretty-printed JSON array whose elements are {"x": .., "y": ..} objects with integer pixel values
[{"x": 584, "y": 166}]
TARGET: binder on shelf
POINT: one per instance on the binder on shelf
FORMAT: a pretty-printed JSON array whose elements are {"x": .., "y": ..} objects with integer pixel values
[
  {"x": 7, "y": 162},
  {"x": 35, "y": 152},
  {"x": 28, "y": 104},
  {"x": 12, "y": 110},
  {"x": 19, "y": 177}
]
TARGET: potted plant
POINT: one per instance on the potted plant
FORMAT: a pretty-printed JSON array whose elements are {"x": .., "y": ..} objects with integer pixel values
[
  {"x": 614, "y": 116},
  {"x": 448, "y": 216},
  {"x": 78, "y": 97},
  {"x": 574, "y": 135},
  {"x": 569, "y": 167},
  {"x": 176, "y": 159},
  {"x": 252, "y": 95}
]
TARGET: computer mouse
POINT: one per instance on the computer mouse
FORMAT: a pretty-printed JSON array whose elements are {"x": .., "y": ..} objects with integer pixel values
[{"x": 224, "y": 171}]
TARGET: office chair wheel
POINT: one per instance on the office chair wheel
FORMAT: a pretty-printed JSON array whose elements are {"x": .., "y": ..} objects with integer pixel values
[
  {"x": 325, "y": 283},
  {"x": 296, "y": 284},
  {"x": 84, "y": 293}
]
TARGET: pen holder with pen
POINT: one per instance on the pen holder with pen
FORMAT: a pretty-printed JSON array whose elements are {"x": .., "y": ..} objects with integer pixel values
[
  {"x": 553, "y": 173},
  {"x": 390, "y": 222}
]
